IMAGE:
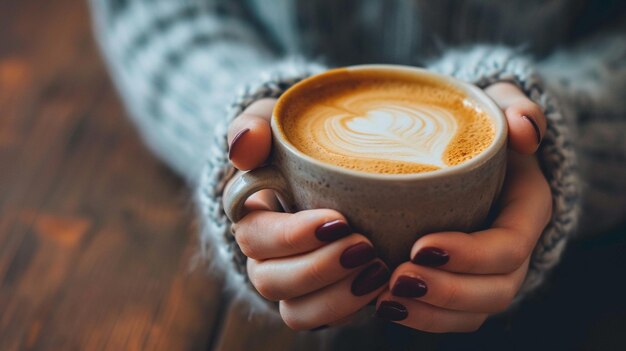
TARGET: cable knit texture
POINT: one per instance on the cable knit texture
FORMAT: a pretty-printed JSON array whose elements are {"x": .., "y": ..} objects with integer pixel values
[
  {"x": 483, "y": 66},
  {"x": 178, "y": 64},
  {"x": 216, "y": 235}
]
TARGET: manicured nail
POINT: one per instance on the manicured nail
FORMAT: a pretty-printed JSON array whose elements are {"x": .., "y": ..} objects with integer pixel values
[
  {"x": 321, "y": 327},
  {"x": 370, "y": 279},
  {"x": 392, "y": 311},
  {"x": 233, "y": 143},
  {"x": 431, "y": 257},
  {"x": 356, "y": 255},
  {"x": 535, "y": 127},
  {"x": 409, "y": 287},
  {"x": 332, "y": 231}
]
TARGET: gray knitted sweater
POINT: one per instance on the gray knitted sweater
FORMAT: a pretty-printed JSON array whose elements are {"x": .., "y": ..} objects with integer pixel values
[{"x": 185, "y": 68}]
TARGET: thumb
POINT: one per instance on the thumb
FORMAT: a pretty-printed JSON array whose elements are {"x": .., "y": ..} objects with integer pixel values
[
  {"x": 250, "y": 136},
  {"x": 527, "y": 124}
]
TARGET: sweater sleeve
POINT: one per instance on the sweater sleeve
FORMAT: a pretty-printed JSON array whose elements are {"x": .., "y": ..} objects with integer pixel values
[
  {"x": 485, "y": 65},
  {"x": 177, "y": 66},
  {"x": 216, "y": 238},
  {"x": 590, "y": 81},
  {"x": 480, "y": 65},
  {"x": 584, "y": 150}
]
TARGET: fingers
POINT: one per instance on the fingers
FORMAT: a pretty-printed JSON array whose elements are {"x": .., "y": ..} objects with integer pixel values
[
  {"x": 337, "y": 301},
  {"x": 422, "y": 316},
  {"x": 263, "y": 200},
  {"x": 250, "y": 136},
  {"x": 289, "y": 277},
  {"x": 507, "y": 244},
  {"x": 526, "y": 121},
  {"x": 264, "y": 234},
  {"x": 461, "y": 292}
]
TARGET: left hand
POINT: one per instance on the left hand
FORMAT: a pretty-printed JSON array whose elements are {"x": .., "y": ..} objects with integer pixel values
[{"x": 455, "y": 280}]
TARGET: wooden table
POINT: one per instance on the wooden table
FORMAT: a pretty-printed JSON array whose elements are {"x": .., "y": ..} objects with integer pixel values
[{"x": 98, "y": 238}]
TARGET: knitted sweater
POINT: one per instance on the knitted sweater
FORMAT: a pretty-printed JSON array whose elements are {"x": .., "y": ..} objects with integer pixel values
[{"x": 185, "y": 68}]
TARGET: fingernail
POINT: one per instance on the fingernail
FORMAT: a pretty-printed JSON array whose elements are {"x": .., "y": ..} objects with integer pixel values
[
  {"x": 409, "y": 287},
  {"x": 357, "y": 255},
  {"x": 321, "y": 327},
  {"x": 535, "y": 127},
  {"x": 431, "y": 257},
  {"x": 332, "y": 231},
  {"x": 236, "y": 138},
  {"x": 392, "y": 311},
  {"x": 370, "y": 279}
]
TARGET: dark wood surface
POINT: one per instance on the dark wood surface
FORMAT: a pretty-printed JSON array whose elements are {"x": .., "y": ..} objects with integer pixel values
[{"x": 97, "y": 237}]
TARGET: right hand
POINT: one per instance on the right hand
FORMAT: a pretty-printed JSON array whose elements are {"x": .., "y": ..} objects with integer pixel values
[{"x": 311, "y": 261}]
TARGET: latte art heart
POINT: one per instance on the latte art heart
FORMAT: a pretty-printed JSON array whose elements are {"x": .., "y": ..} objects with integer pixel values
[
  {"x": 418, "y": 134},
  {"x": 372, "y": 122}
]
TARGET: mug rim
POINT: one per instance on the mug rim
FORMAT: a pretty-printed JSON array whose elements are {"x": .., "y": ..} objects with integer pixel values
[{"x": 473, "y": 92}]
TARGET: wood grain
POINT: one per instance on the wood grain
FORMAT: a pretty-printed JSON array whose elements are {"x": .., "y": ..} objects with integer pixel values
[{"x": 96, "y": 236}]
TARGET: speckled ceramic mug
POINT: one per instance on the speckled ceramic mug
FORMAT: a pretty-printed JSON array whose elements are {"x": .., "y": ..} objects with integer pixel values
[{"x": 392, "y": 210}]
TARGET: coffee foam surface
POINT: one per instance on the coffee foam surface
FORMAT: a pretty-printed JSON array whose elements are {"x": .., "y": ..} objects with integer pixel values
[{"x": 384, "y": 123}]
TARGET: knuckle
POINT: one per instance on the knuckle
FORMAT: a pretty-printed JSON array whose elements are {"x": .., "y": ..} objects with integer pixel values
[
  {"x": 475, "y": 255},
  {"x": 287, "y": 237},
  {"x": 266, "y": 289},
  {"x": 331, "y": 310},
  {"x": 518, "y": 255},
  {"x": 451, "y": 295},
  {"x": 261, "y": 282},
  {"x": 509, "y": 294},
  {"x": 428, "y": 322},
  {"x": 245, "y": 244},
  {"x": 315, "y": 274},
  {"x": 290, "y": 317},
  {"x": 505, "y": 298},
  {"x": 251, "y": 269},
  {"x": 503, "y": 303}
]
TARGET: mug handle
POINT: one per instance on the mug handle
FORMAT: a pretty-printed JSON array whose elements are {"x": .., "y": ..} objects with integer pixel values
[{"x": 246, "y": 184}]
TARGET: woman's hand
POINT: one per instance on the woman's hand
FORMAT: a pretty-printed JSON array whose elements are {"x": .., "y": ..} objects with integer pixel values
[
  {"x": 310, "y": 261},
  {"x": 456, "y": 280}
]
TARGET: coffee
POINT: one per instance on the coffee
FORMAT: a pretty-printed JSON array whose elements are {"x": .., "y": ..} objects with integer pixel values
[
  {"x": 384, "y": 122},
  {"x": 338, "y": 118}
]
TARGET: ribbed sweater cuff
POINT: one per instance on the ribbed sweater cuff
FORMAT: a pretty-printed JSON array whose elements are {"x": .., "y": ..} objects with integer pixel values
[
  {"x": 216, "y": 239},
  {"x": 485, "y": 65},
  {"x": 482, "y": 66}
]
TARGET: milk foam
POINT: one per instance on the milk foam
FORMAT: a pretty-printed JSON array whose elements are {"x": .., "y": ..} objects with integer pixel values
[
  {"x": 400, "y": 132},
  {"x": 372, "y": 123}
]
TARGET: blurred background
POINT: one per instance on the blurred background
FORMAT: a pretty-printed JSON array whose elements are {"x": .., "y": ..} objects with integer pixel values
[{"x": 97, "y": 238}]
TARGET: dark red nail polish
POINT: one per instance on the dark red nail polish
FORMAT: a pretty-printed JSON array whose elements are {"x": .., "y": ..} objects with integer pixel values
[
  {"x": 370, "y": 279},
  {"x": 409, "y": 287},
  {"x": 236, "y": 138},
  {"x": 431, "y": 257},
  {"x": 392, "y": 311},
  {"x": 321, "y": 327},
  {"x": 332, "y": 231},
  {"x": 535, "y": 127},
  {"x": 357, "y": 255}
]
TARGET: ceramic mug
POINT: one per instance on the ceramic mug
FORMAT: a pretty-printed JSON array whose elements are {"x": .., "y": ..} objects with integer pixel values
[{"x": 392, "y": 210}]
